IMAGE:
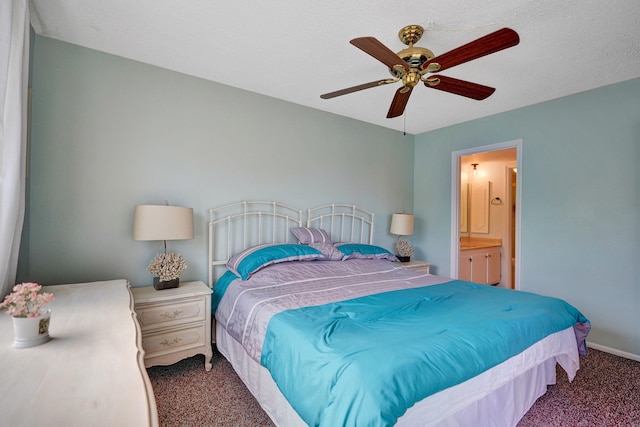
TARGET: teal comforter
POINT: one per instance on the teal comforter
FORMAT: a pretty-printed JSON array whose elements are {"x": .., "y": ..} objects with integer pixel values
[{"x": 365, "y": 361}]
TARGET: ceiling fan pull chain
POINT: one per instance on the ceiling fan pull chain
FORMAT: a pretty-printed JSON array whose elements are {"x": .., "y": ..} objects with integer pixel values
[{"x": 404, "y": 125}]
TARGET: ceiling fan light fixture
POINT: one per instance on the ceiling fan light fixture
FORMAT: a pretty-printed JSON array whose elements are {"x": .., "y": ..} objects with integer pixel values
[
  {"x": 415, "y": 56},
  {"x": 410, "y": 79},
  {"x": 411, "y": 64}
]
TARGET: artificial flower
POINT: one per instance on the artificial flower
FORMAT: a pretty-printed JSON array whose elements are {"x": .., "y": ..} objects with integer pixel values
[{"x": 26, "y": 300}]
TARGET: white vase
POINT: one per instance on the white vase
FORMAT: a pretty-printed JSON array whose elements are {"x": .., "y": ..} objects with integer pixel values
[{"x": 31, "y": 331}]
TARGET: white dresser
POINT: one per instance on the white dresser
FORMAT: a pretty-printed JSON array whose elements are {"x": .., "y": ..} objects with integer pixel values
[{"x": 92, "y": 371}]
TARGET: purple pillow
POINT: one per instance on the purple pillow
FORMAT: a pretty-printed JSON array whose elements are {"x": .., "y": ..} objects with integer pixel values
[{"x": 306, "y": 235}]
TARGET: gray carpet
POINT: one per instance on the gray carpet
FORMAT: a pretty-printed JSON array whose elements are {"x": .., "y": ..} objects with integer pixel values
[{"x": 605, "y": 393}]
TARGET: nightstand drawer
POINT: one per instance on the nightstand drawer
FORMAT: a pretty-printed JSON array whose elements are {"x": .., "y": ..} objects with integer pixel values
[
  {"x": 174, "y": 340},
  {"x": 176, "y": 312},
  {"x": 419, "y": 266}
]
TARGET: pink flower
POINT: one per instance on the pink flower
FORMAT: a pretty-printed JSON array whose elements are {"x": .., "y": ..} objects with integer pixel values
[{"x": 25, "y": 300}]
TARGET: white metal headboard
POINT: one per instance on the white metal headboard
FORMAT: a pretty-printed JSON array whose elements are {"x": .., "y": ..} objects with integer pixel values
[
  {"x": 344, "y": 223},
  {"x": 235, "y": 227},
  {"x": 240, "y": 225}
]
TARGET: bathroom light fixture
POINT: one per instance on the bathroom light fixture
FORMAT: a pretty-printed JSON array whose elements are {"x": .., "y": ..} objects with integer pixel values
[{"x": 475, "y": 168}]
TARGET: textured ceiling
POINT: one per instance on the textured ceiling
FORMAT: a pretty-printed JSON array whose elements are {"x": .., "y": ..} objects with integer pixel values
[{"x": 296, "y": 50}]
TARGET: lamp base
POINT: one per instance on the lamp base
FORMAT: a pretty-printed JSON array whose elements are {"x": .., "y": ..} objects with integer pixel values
[
  {"x": 404, "y": 258},
  {"x": 166, "y": 284}
]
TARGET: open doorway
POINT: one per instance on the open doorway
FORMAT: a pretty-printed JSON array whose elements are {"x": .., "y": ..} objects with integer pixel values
[{"x": 486, "y": 194}]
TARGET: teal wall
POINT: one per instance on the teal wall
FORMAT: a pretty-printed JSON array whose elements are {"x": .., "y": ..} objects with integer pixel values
[
  {"x": 109, "y": 133},
  {"x": 580, "y": 210}
]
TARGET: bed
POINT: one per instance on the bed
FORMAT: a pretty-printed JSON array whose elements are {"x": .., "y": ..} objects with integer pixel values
[{"x": 325, "y": 328}]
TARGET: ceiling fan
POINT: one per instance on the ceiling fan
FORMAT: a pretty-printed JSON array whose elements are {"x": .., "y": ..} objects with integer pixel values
[{"x": 413, "y": 64}]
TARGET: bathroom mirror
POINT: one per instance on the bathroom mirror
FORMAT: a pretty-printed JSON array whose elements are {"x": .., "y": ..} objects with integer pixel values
[
  {"x": 464, "y": 207},
  {"x": 474, "y": 207}
]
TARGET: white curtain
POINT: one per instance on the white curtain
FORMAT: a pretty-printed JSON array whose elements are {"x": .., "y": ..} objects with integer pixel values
[{"x": 14, "y": 71}]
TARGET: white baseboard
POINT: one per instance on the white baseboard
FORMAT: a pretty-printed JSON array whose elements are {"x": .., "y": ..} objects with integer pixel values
[{"x": 620, "y": 353}]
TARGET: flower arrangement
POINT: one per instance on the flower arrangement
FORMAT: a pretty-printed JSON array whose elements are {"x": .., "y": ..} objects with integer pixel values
[
  {"x": 26, "y": 300},
  {"x": 167, "y": 266},
  {"x": 404, "y": 248}
]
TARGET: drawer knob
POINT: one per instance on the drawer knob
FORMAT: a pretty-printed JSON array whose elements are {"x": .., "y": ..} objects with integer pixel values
[
  {"x": 173, "y": 342},
  {"x": 172, "y": 315}
]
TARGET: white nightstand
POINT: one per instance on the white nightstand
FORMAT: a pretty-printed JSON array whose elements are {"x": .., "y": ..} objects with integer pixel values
[
  {"x": 176, "y": 323},
  {"x": 421, "y": 266}
]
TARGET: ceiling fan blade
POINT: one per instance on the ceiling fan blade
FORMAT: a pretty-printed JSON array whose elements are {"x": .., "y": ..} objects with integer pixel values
[
  {"x": 459, "y": 87},
  {"x": 357, "y": 88},
  {"x": 399, "y": 102},
  {"x": 375, "y": 48},
  {"x": 486, "y": 45}
]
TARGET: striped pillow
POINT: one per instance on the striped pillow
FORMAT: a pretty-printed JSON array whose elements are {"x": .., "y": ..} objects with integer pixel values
[
  {"x": 307, "y": 235},
  {"x": 247, "y": 262}
]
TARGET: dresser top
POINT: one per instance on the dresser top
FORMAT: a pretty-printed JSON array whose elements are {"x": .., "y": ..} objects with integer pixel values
[{"x": 92, "y": 370}]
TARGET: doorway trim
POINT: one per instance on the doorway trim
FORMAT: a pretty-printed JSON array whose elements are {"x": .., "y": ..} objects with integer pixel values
[{"x": 455, "y": 201}]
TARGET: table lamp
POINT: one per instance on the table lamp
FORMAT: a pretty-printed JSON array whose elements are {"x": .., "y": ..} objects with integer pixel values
[
  {"x": 402, "y": 225},
  {"x": 164, "y": 222}
]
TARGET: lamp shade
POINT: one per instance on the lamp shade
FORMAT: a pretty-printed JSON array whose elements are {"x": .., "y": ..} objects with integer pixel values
[
  {"x": 162, "y": 222},
  {"x": 402, "y": 224}
]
